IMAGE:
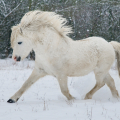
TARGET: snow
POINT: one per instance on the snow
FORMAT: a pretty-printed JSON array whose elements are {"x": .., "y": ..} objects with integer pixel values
[{"x": 44, "y": 100}]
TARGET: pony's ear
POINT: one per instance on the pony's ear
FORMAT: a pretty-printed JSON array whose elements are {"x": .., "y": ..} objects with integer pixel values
[{"x": 21, "y": 32}]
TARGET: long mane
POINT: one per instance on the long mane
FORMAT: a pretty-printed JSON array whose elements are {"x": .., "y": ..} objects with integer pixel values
[{"x": 33, "y": 20}]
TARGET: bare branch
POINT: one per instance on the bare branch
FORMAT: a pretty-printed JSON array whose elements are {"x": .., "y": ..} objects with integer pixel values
[
  {"x": 4, "y": 5},
  {"x": 11, "y": 12}
]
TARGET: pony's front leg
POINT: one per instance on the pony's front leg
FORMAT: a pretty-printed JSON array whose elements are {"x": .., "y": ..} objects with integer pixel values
[
  {"x": 31, "y": 80},
  {"x": 64, "y": 87}
]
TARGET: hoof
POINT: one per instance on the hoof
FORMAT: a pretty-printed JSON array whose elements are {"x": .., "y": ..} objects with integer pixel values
[
  {"x": 71, "y": 97},
  {"x": 11, "y": 101}
]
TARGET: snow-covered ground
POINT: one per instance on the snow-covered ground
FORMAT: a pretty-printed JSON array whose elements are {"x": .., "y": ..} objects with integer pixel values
[{"x": 44, "y": 100}]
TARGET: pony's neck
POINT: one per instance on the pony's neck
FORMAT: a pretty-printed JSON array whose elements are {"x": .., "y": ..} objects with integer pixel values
[
  {"x": 51, "y": 36},
  {"x": 49, "y": 39}
]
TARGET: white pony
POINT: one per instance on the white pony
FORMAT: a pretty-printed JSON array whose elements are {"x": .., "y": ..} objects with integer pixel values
[{"x": 58, "y": 55}]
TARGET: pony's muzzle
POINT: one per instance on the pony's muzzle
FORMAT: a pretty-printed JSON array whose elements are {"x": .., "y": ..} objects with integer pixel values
[{"x": 17, "y": 58}]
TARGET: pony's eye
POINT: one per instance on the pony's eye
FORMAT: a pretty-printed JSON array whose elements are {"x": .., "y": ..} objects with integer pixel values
[{"x": 19, "y": 43}]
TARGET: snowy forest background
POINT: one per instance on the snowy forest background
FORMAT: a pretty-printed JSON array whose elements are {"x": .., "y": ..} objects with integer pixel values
[{"x": 87, "y": 17}]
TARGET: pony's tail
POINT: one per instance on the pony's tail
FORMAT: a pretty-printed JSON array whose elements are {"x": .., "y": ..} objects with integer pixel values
[{"x": 116, "y": 46}]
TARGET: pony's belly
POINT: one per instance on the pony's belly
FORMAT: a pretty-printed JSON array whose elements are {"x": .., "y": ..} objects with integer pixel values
[{"x": 81, "y": 71}]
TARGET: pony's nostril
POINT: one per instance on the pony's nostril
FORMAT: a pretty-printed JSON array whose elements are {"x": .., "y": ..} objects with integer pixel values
[
  {"x": 15, "y": 58},
  {"x": 19, "y": 58}
]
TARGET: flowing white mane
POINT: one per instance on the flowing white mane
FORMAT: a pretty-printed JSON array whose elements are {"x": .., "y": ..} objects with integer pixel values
[{"x": 35, "y": 19}]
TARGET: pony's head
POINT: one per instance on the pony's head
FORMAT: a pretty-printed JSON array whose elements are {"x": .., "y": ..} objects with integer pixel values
[
  {"x": 30, "y": 29},
  {"x": 21, "y": 44}
]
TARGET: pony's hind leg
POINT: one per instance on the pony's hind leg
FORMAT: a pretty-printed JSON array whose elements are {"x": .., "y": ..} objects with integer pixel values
[
  {"x": 101, "y": 79},
  {"x": 111, "y": 84},
  {"x": 99, "y": 83}
]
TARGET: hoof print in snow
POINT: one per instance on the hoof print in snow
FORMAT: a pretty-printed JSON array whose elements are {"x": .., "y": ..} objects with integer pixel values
[{"x": 11, "y": 101}]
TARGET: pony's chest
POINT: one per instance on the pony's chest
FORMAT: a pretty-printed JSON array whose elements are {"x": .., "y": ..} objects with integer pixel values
[{"x": 44, "y": 64}]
